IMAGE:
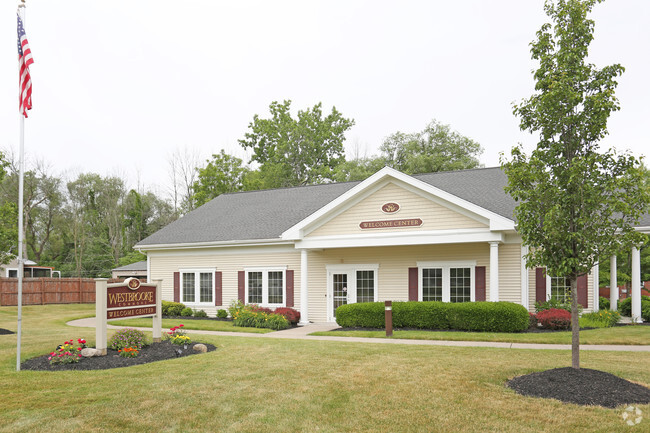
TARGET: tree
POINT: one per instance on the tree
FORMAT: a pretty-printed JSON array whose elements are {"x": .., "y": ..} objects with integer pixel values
[
  {"x": 223, "y": 174},
  {"x": 575, "y": 204},
  {"x": 8, "y": 221},
  {"x": 436, "y": 148},
  {"x": 293, "y": 152}
]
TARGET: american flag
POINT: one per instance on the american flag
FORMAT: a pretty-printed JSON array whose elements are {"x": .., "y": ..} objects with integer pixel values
[{"x": 24, "y": 59}]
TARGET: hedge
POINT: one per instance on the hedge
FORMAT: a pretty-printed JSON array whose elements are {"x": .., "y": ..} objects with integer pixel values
[
  {"x": 625, "y": 305},
  {"x": 466, "y": 316}
]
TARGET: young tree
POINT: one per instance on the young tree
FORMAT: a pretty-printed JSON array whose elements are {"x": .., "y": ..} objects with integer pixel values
[
  {"x": 223, "y": 174},
  {"x": 576, "y": 204},
  {"x": 436, "y": 148},
  {"x": 300, "y": 151}
]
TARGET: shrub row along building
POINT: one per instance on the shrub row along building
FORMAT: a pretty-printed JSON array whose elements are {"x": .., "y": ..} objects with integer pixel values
[{"x": 447, "y": 236}]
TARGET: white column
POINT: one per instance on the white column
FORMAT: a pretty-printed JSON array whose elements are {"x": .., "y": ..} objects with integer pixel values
[
  {"x": 595, "y": 271},
  {"x": 524, "y": 278},
  {"x": 494, "y": 271},
  {"x": 613, "y": 285},
  {"x": 636, "y": 285},
  {"x": 304, "y": 297}
]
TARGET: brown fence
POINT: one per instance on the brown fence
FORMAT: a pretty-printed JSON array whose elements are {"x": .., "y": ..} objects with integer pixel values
[{"x": 40, "y": 291}]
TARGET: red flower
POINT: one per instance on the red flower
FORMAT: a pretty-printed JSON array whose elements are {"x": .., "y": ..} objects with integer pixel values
[
  {"x": 181, "y": 325},
  {"x": 78, "y": 348},
  {"x": 79, "y": 355}
]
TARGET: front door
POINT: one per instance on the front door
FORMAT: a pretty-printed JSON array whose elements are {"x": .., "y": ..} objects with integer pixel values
[{"x": 339, "y": 291}]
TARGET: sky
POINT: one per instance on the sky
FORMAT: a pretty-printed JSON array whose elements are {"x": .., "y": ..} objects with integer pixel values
[{"x": 120, "y": 86}]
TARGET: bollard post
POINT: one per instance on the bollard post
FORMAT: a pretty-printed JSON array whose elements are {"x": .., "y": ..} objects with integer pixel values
[{"x": 388, "y": 306}]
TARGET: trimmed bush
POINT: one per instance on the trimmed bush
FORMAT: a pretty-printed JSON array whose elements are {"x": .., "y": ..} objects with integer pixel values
[
  {"x": 187, "y": 312},
  {"x": 127, "y": 337},
  {"x": 260, "y": 309},
  {"x": 645, "y": 312},
  {"x": 603, "y": 303},
  {"x": 625, "y": 305},
  {"x": 467, "y": 316},
  {"x": 290, "y": 314},
  {"x": 554, "y": 318},
  {"x": 200, "y": 313},
  {"x": 257, "y": 319},
  {"x": 172, "y": 308},
  {"x": 222, "y": 314}
]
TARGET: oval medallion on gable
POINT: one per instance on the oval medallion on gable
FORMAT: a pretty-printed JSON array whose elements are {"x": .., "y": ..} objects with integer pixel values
[{"x": 390, "y": 208}]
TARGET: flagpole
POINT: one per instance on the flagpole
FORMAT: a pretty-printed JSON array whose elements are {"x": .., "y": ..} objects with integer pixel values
[{"x": 21, "y": 179}]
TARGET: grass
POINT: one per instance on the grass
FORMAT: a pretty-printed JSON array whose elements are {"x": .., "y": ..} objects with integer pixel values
[
  {"x": 627, "y": 335},
  {"x": 203, "y": 325},
  {"x": 264, "y": 385}
]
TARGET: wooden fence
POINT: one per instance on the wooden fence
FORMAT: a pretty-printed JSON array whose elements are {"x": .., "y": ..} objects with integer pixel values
[{"x": 41, "y": 291}]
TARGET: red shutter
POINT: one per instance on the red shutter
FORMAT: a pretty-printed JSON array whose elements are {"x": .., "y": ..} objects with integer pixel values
[
  {"x": 217, "y": 287},
  {"x": 413, "y": 284},
  {"x": 177, "y": 287},
  {"x": 289, "y": 288},
  {"x": 540, "y": 284},
  {"x": 241, "y": 291},
  {"x": 583, "y": 298},
  {"x": 479, "y": 283}
]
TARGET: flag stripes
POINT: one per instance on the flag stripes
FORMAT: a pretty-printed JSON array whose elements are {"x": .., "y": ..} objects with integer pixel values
[{"x": 25, "y": 60}]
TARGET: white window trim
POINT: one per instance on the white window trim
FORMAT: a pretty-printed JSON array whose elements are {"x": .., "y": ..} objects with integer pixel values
[
  {"x": 11, "y": 269},
  {"x": 197, "y": 286},
  {"x": 265, "y": 284},
  {"x": 446, "y": 285},
  {"x": 351, "y": 270}
]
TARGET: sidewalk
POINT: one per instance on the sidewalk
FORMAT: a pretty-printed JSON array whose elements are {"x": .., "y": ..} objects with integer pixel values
[{"x": 302, "y": 333}]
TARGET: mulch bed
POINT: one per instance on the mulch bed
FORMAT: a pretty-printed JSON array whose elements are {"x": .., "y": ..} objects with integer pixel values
[
  {"x": 581, "y": 386},
  {"x": 153, "y": 352},
  {"x": 6, "y": 331}
]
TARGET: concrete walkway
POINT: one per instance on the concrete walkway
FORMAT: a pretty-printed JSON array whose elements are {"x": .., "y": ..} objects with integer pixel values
[{"x": 302, "y": 333}]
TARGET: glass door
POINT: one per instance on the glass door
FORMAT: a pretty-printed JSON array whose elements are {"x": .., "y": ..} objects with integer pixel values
[{"x": 340, "y": 290}]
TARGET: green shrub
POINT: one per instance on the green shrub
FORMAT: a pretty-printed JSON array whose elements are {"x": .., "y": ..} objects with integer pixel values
[
  {"x": 249, "y": 316},
  {"x": 200, "y": 313},
  {"x": 553, "y": 303},
  {"x": 606, "y": 318},
  {"x": 187, "y": 312},
  {"x": 222, "y": 314},
  {"x": 625, "y": 305},
  {"x": 467, "y": 316},
  {"x": 127, "y": 337},
  {"x": 645, "y": 311},
  {"x": 172, "y": 308},
  {"x": 603, "y": 303}
]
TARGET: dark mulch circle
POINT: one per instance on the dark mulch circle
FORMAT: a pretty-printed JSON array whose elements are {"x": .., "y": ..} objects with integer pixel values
[
  {"x": 581, "y": 386},
  {"x": 6, "y": 331},
  {"x": 152, "y": 353}
]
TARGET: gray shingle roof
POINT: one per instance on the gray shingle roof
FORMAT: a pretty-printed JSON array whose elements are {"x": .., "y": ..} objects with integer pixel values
[
  {"x": 256, "y": 215},
  {"x": 137, "y": 266}
]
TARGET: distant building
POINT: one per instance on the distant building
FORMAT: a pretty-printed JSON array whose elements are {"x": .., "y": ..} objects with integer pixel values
[
  {"x": 136, "y": 270},
  {"x": 32, "y": 270}
]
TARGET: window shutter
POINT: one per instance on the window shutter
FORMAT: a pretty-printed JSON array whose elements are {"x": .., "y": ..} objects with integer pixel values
[
  {"x": 583, "y": 297},
  {"x": 540, "y": 284},
  {"x": 177, "y": 287},
  {"x": 413, "y": 284},
  {"x": 289, "y": 302},
  {"x": 241, "y": 291},
  {"x": 217, "y": 288},
  {"x": 479, "y": 283}
]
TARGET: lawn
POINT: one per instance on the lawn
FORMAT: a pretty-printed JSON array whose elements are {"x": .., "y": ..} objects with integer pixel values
[
  {"x": 265, "y": 385},
  {"x": 627, "y": 335},
  {"x": 203, "y": 325}
]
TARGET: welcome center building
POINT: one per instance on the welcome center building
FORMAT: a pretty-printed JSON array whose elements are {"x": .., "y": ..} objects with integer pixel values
[{"x": 448, "y": 236}]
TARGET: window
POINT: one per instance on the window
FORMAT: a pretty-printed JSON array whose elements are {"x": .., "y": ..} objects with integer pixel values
[
  {"x": 365, "y": 286},
  {"x": 561, "y": 289},
  {"x": 197, "y": 286},
  {"x": 266, "y": 286},
  {"x": 446, "y": 281}
]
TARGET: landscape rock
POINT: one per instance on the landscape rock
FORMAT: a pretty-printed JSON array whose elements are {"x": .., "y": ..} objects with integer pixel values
[
  {"x": 201, "y": 348},
  {"x": 89, "y": 352}
]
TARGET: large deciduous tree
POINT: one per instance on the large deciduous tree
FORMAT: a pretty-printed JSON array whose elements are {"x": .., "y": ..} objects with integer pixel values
[
  {"x": 224, "y": 173},
  {"x": 436, "y": 148},
  {"x": 575, "y": 202},
  {"x": 293, "y": 152}
]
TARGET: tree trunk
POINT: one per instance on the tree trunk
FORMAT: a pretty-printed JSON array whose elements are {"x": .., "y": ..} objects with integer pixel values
[{"x": 575, "y": 325}]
